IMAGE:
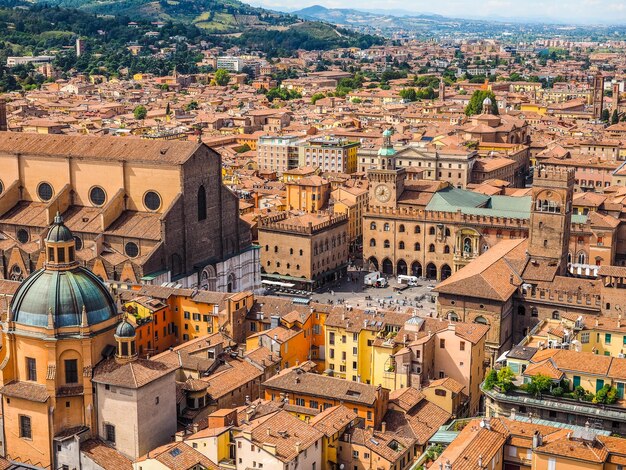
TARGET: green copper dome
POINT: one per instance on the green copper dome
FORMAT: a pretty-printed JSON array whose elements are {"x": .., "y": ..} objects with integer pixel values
[{"x": 63, "y": 293}]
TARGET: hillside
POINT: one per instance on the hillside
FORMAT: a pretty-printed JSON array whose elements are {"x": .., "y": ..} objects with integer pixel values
[
  {"x": 214, "y": 16},
  {"x": 27, "y": 28}
]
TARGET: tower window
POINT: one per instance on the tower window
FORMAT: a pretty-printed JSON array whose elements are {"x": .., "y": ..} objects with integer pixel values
[
  {"x": 61, "y": 255},
  {"x": 201, "y": 203}
]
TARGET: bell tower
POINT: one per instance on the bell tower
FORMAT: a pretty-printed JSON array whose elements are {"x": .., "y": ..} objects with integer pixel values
[
  {"x": 550, "y": 217},
  {"x": 386, "y": 181}
]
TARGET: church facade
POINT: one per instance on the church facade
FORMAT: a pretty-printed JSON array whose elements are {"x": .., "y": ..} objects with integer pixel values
[{"x": 141, "y": 211}]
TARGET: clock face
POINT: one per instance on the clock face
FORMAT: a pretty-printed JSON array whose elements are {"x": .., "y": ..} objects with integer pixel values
[{"x": 382, "y": 193}]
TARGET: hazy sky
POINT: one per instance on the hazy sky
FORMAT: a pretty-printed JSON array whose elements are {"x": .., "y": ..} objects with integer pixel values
[{"x": 579, "y": 11}]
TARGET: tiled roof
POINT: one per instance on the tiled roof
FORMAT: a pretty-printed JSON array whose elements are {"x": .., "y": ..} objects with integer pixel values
[
  {"x": 26, "y": 390},
  {"x": 333, "y": 419},
  {"x": 134, "y": 374},
  {"x": 105, "y": 455},
  {"x": 179, "y": 456},
  {"x": 107, "y": 148},
  {"x": 295, "y": 380},
  {"x": 283, "y": 430}
]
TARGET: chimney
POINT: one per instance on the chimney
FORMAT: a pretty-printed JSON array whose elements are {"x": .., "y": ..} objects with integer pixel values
[
  {"x": 480, "y": 461},
  {"x": 383, "y": 427},
  {"x": 274, "y": 321},
  {"x": 448, "y": 465},
  {"x": 269, "y": 432},
  {"x": 194, "y": 427},
  {"x": 3, "y": 115},
  {"x": 298, "y": 447},
  {"x": 240, "y": 352},
  {"x": 178, "y": 437},
  {"x": 513, "y": 414}
]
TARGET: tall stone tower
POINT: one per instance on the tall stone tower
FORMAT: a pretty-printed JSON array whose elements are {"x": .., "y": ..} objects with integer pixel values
[
  {"x": 615, "y": 98},
  {"x": 386, "y": 181},
  {"x": 550, "y": 218},
  {"x": 598, "y": 95}
]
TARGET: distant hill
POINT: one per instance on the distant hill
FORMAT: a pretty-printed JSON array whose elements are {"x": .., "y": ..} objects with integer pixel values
[{"x": 237, "y": 22}]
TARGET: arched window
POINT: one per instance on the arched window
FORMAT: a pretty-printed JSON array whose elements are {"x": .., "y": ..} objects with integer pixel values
[
  {"x": 556, "y": 315},
  {"x": 431, "y": 231},
  {"x": 386, "y": 227},
  {"x": 481, "y": 320},
  {"x": 401, "y": 246},
  {"x": 581, "y": 258},
  {"x": 453, "y": 316},
  {"x": 386, "y": 244},
  {"x": 417, "y": 246},
  {"x": 534, "y": 312},
  {"x": 201, "y": 203},
  {"x": 372, "y": 242},
  {"x": 431, "y": 248},
  {"x": 447, "y": 232},
  {"x": 301, "y": 252},
  {"x": 401, "y": 228},
  {"x": 291, "y": 251},
  {"x": 373, "y": 226},
  {"x": 446, "y": 249},
  {"x": 418, "y": 229}
]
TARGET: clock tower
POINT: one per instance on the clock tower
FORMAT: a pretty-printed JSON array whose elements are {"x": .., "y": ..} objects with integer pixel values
[{"x": 386, "y": 181}]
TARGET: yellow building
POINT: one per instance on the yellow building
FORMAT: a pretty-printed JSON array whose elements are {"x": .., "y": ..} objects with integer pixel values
[
  {"x": 332, "y": 422},
  {"x": 329, "y": 154},
  {"x": 309, "y": 194},
  {"x": 353, "y": 202},
  {"x": 60, "y": 324}
]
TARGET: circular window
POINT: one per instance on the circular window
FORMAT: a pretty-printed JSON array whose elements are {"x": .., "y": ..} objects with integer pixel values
[
  {"x": 152, "y": 200},
  {"x": 97, "y": 196},
  {"x": 78, "y": 242},
  {"x": 131, "y": 249},
  {"x": 22, "y": 236},
  {"x": 45, "y": 191}
]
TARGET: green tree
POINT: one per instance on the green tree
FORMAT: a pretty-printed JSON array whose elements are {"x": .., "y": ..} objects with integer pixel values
[
  {"x": 168, "y": 111},
  {"x": 491, "y": 379},
  {"x": 606, "y": 395},
  {"x": 505, "y": 379},
  {"x": 408, "y": 94},
  {"x": 614, "y": 117},
  {"x": 538, "y": 384},
  {"x": 317, "y": 96},
  {"x": 140, "y": 112},
  {"x": 192, "y": 106},
  {"x": 475, "y": 105},
  {"x": 222, "y": 77},
  {"x": 605, "y": 115}
]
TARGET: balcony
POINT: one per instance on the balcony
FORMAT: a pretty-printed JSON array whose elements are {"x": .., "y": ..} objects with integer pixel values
[{"x": 572, "y": 406}]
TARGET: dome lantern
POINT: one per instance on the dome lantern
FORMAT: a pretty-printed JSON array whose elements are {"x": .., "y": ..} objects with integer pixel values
[
  {"x": 125, "y": 337},
  {"x": 60, "y": 246}
]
